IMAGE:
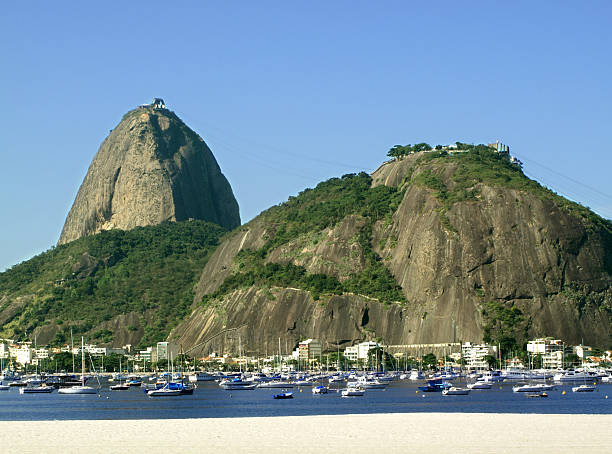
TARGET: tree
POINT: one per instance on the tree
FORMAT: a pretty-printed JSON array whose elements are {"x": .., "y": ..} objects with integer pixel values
[
  {"x": 396, "y": 151},
  {"x": 491, "y": 361},
  {"x": 421, "y": 147},
  {"x": 62, "y": 361},
  {"x": 571, "y": 359},
  {"x": 536, "y": 362},
  {"x": 430, "y": 361}
]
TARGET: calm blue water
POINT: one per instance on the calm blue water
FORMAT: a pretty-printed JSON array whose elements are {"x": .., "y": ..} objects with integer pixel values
[{"x": 210, "y": 401}]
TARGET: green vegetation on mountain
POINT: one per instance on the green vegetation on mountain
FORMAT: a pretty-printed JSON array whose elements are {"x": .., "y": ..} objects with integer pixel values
[
  {"x": 314, "y": 210},
  {"x": 327, "y": 204},
  {"x": 505, "y": 325},
  {"x": 480, "y": 164},
  {"x": 398, "y": 151},
  {"x": 84, "y": 283}
]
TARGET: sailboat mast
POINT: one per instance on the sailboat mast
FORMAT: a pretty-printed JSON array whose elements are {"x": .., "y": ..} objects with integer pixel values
[
  {"x": 82, "y": 361},
  {"x": 72, "y": 349}
]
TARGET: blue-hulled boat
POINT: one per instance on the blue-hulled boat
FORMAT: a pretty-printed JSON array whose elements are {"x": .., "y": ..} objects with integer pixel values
[{"x": 435, "y": 386}]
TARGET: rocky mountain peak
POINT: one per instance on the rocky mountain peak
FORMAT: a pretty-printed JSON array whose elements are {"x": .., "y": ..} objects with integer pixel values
[{"x": 151, "y": 168}]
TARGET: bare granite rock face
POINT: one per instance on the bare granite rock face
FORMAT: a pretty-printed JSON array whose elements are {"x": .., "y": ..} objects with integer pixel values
[
  {"x": 150, "y": 169},
  {"x": 506, "y": 246}
]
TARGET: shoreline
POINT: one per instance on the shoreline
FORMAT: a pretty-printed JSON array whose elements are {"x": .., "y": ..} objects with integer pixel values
[{"x": 357, "y": 433}]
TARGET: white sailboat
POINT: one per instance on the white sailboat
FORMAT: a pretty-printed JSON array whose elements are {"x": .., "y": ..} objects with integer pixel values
[
  {"x": 80, "y": 389},
  {"x": 121, "y": 386}
]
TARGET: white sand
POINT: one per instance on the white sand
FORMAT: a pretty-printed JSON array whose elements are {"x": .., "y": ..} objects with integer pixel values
[{"x": 389, "y": 433}]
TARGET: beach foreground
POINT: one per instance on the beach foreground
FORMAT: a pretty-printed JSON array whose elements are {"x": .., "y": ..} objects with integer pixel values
[{"x": 398, "y": 432}]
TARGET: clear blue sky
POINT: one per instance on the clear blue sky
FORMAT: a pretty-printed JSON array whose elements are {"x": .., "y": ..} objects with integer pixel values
[{"x": 288, "y": 94}]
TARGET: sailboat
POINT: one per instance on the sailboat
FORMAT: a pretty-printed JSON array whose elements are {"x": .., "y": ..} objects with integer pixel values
[
  {"x": 120, "y": 386},
  {"x": 584, "y": 388},
  {"x": 169, "y": 389},
  {"x": 80, "y": 389}
]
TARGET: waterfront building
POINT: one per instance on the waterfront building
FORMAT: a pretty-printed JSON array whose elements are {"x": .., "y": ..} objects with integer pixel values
[
  {"x": 41, "y": 353},
  {"x": 475, "y": 355},
  {"x": 551, "y": 350},
  {"x": 582, "y": 351},
  {"x": 309, "y": 349},
  {"x": 92, "y": 350},
  {"x": 359, "y": 351},
  {"x": 146, "y": 355},
  {"x": 351, "y": 353},
  {"x": 4, "y": 351},
  {"x": 22, "y": 353},
  {"x": 162, "y": 352}
]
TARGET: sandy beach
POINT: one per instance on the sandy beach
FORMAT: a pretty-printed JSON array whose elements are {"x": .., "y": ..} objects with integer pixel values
[{"x": 411, "y": 432}]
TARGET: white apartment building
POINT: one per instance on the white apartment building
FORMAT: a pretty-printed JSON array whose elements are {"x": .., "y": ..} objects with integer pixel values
[
  {"x": 359, "y": 351},
  {"x": 4, "y": 351},
  {"x": 146, "y": 355},
  {"x": 551, "y": 350},
  {"x": 21, "y": 353},
  {"x": 475, "y": 355}
]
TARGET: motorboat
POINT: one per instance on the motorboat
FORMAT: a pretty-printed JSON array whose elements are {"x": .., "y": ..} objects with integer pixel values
[
  {"x": 367, "y": 383},
  {"x": 40, "y": 389},
  {"x": 584, "y": 389},
  {"x": 201, "y": 376},
  {"x": 118, "y": 376},
  {"x": 9, "y": 375},
  {"x": 492, "y": 376},
  {"x": 63, "y": 380},
  {"x": 571, "y": 376},
  {"x": 134, "y": 380},
  {"x": 416, "y": 375},
  {"x": 455, "y": 391},
  {"x": 479, "y": 385},
  {"x": 445, "y": 375},
  {"x": 514, "y": 374},
  {"x": 320, "y": 389},
  {"x": 433, "y": 386},
  {"x": 119, "y": 387},
  {"x": 81, "y": 389},
  {"x": 283, "y": 396},
  {"x": 237, "y": 384},
  {"x": 163, "y": 392},
  {"x": 34, "y": 380},
  {"x": 539, "y": 387},
  {"x": 537, "y": 394},
  {"x": 275, "y": 384},
  {"x": 4, "y": 387},
  {"x": 353, "y": 392}
]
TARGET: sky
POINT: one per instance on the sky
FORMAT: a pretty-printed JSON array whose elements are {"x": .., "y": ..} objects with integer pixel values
[{"x": 288, "y": 94}]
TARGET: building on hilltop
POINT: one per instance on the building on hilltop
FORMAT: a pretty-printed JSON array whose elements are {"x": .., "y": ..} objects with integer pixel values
[
  {"x": 500, "y": 147},
  {"x": 158, "y": 103}
]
